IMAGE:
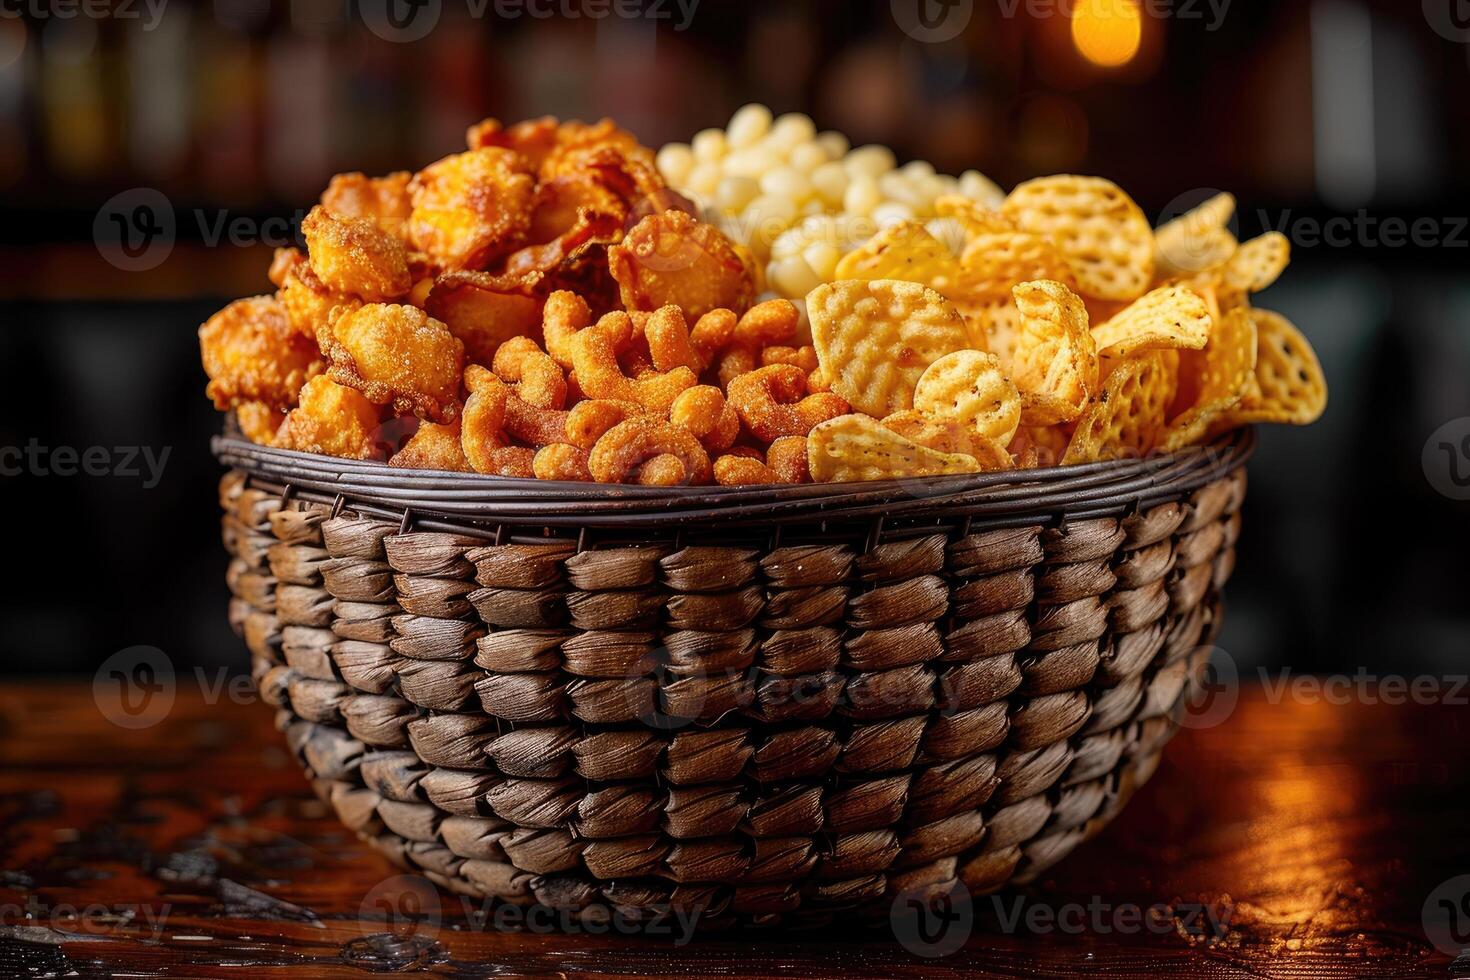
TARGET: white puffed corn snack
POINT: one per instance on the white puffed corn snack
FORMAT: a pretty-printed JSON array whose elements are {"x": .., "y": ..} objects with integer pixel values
[{"x": 800, "y": 199}]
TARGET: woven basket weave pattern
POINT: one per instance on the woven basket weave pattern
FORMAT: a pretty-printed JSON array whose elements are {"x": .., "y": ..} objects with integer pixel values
[{"x": 767, "y": 730}]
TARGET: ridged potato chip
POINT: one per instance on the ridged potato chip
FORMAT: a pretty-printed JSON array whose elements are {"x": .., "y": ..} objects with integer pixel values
[
  {"x": 874, "y": 339},
  {"x": 1258, "y": 263},
  {"x": 1095, "y": 226},
  {"x": 1197, "y": 240},
  {"x": 976, "y": 218},
  {"x": 1292, "y": 388},
  {"x": 993, "y": 325},
  {"x": 945, "y": 435},
  {"x": 1055, "y": 364},
  {"x": 970, "y": 387},
  {"x": 851, "y": 448},
  {"x": 904, "y": 251},
  {"x": 995, "y": 261},
  {"x": 1171, "y": 316},
  {"x": 1128, "y": 415},
  {"x": 1223, "y": 376}
]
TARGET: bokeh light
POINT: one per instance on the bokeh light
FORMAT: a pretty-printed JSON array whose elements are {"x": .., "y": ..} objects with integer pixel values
[{"x": 1107, "y": 33}]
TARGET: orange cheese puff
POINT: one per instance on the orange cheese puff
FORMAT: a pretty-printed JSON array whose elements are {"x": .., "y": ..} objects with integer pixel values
[
  {"x": 772, "y": 402},
  {"x": 560, "y": 461},
  {"x": 628, "y": 445}
]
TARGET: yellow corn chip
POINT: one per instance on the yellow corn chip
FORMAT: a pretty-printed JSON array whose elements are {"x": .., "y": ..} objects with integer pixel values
[
  {"x": 1039, "y": 445},
  {"x": 993, "y": 262},
  {"x": 1291, "y": 386},
  {"x": 1257, "y": 263},
  {"x": 1223, "y": 376},
  {"x": 1095, "y": 226},
  {"x": 976, "y": 218},
  {"x": 875, "y": 339},
  {"x": 1055, "y": 362},
  {"x": 1196, "y": 240},
  {"x": 947, "y": 435},
  {"x": 855, "y": 447},
  {"x": 1170, "y": 316},
  {"x": 901, "y": 251},
  {"x": 1127, "y": 417},
  {"x": 993, "y": 325},
  {"x": 970, "y": 387}
]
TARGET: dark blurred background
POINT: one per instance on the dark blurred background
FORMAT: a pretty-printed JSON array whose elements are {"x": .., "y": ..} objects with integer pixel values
[{"x": 1343, "y": 123}]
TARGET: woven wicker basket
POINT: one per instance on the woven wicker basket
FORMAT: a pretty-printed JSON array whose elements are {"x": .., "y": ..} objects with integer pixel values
[{"x": 771, "y": 705}]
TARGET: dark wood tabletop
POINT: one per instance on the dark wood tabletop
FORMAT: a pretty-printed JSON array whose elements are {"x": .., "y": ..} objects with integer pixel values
[{"x": 1295, "y": 838}]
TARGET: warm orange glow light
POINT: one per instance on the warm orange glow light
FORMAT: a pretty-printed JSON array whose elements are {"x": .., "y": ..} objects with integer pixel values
[{"x": 1107, "y": 32}]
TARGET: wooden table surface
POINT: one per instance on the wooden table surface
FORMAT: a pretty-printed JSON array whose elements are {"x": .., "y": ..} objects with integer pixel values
[{"x": 1312, "y": 835}]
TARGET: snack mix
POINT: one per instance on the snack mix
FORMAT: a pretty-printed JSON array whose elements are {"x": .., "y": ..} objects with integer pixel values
[{"x": 559, "y": 302}]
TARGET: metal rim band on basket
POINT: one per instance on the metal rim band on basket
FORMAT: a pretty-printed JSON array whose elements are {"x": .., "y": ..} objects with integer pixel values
[{"x": 462, "y": 500}]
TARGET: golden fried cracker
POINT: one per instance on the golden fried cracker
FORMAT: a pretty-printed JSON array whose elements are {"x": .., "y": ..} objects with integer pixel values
[
  {"x": 1095, "y": 226},
  {"x": 1197, "y": 240},
  {"x": 970, "y": 387},
  {"x": 851, "y": 448},
  {"x": 1129, "y": 413},
  {"x": 1055, "y": 363},
  {"x": 904, "y": 251},
  {"x": 875, "y": 339},
  {"x": 1222, "y": 377},
  {"x": 1292, "y": 387},
  {"x": 1170, "y": 316}
]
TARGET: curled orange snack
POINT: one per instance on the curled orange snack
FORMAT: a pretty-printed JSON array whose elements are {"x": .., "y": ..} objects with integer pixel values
[
  {"x": 628, "y": 445},
  {"x": 534, "y": 424},
  {"x": 743, "y": 471},
  {"x": 801, "y": 357},
  {"x": 668, "y": 340},
  {"x": 711, "y": 334},
  {"x": 704, "y": 411},
  {"x": 564, "y": 316},
  {"x": 588, "y": 420},
  {"x": 537, "y": 378},
  {"x": 560, "y": 461},
  {"x": 772, "y": 402},
  {"x": 354, "y": 255},
  {"x": 664, "y": 470},
  {"x": 398, "y": 355},
  {"x": 787, "y": 458},
  {"x": 595, "y": 359},
  {"x": 673, "y": 258},
  {"x": 482, "y": 427}
]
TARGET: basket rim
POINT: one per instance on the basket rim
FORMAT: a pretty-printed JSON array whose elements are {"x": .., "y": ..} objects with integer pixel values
[{"x": 1010, "y": 496}]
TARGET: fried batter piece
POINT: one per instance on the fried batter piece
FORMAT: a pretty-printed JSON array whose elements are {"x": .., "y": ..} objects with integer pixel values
[
  {"x": 383, "y": 200},
  {"x": 470, "y": 209},
  {"x": 398, "y": 355},
  {"x": 332, "y": 420},
  {"x": 310, "y": 305},
  {"x": 259, "y": 422},
  {"x": 251, "y": 353},
  {"x": 484, "y": 311},
  {"x": 533, "y": 139},
  {"x": 354, "y": 255},
  {"x": 433, "y": 447},
  {"x": 673, "y": 258}
]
